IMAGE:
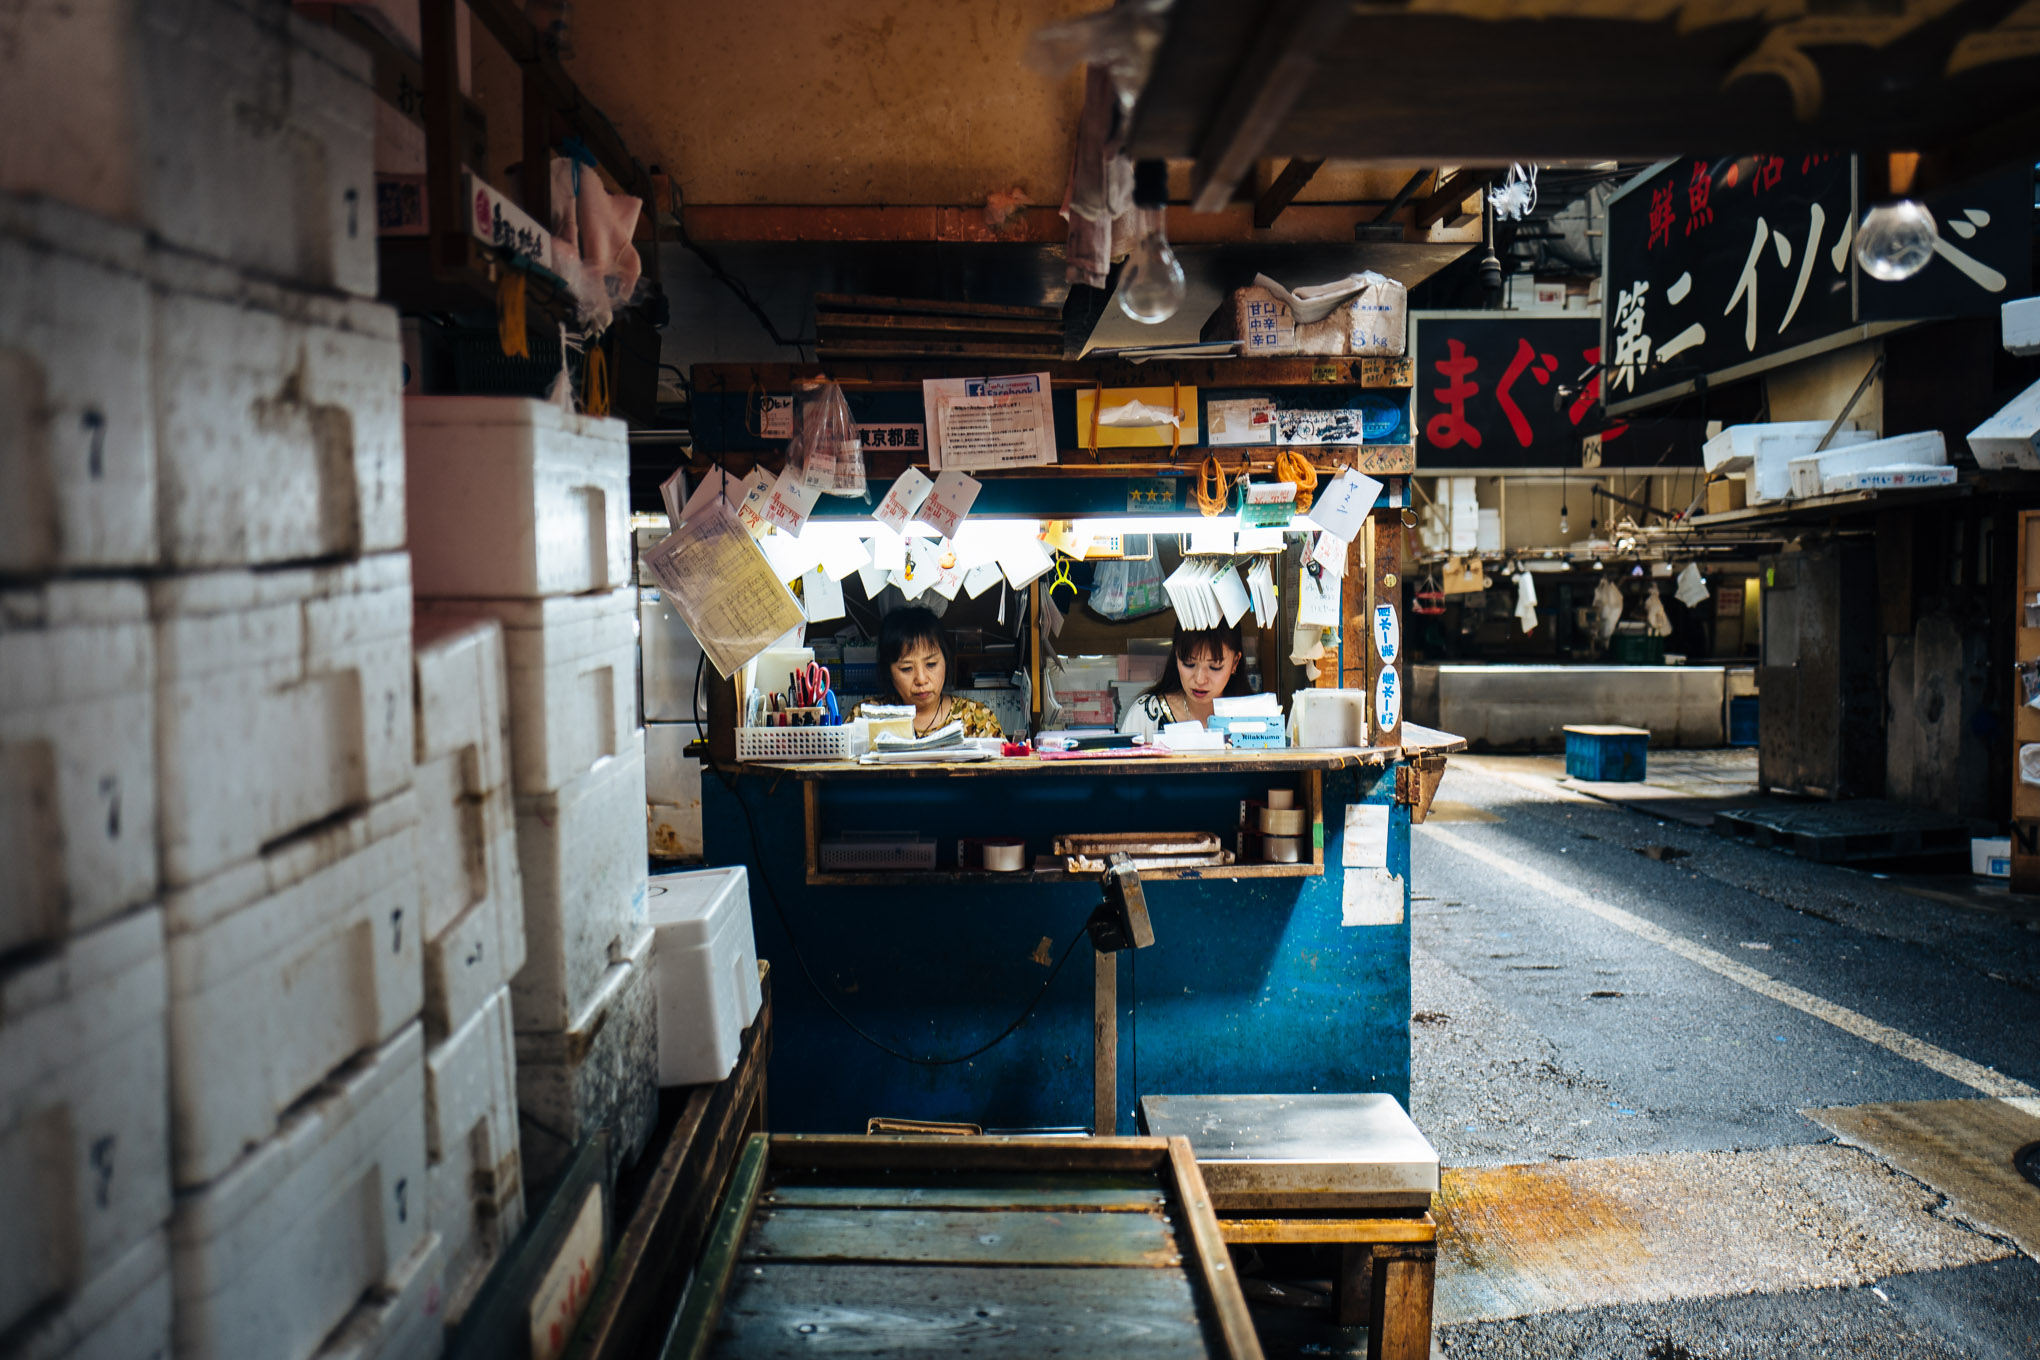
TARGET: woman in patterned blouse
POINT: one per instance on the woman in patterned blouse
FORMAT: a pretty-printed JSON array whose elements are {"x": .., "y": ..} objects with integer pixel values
[{"x": 916, "y": 660}]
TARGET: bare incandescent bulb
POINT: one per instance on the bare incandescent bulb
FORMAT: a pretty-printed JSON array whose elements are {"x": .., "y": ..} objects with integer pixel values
[
  {"x": 1896, "y": 240},
  {"x": 1152, "y": 285}
]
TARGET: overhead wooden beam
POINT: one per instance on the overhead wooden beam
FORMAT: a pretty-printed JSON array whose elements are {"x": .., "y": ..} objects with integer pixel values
[
  {"x": 709, "y": 222},
  {"x": 1278, "y": 67},
  {"x": 1282, "y": 191},
  {"x": 1456, "y": 189}
]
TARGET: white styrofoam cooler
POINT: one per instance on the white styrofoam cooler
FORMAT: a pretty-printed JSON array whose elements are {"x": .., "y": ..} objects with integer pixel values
[
  {"x": 272, "y": 1257},
  {"x": 600, "y": 1071},
  {"x": 462, "y": 695},
  {"x": 2020, "y": 323},
  {"x": 279, "y": 435},
  {"x": 1809, "y": 471},
  {"x": 403, "y": 1317},
  {"x": 241, "y": 132},
  {"x": 471, "y": 1144},
  {"x": 581, "y": 853},
  {"x": 1330, "y": 717},
  {"x": 706, "y": 963},
  {"x": 572, "y": 665},
  {"x": 2011, "y": 438},
  {"x": 470, "y": 893},
  {"x": 672, "y": 660},
  {"x": 283, "y": 968},
  {"x": 77, "y": 757},
  {"x": 282, "y": 698},
  {"x": 84, "y": 1173},
  {"x": 121, "y": 1314},
  {"x": 511, "y": 496},
  {"x": 77, "y": 436}
]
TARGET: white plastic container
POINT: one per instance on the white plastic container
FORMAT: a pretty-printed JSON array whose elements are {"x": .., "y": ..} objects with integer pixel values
[
  {"x": 1811, "y": 471},
  {"x": 270, "y": 1258},
  {"x": 404, "y": 1318},
  {"x": 515, "y": 497},
  {"x": 706, "y": 963},
  {"x": 282, "y": 698},
  {"x": 279, "y": 436},
  {"x": 461, "y": 696},
  {"x": 471, "y": 1145},
  {"x": 2011, "y": 438},
  {"x": 672, "y": 660},
  {"x": 572, "y": 679},
  {"x": 283, "y": 968},
  {"x": 77, "y": 437},
  {"x": 119, "y": 1314},
  {"x": 1990, "y": 856},
  {"x": 601, "y": 1071},
  {"x": 470, "y": 893},
  {"x": 242, "y": 133},
  {"x": 84, "y": 1088},
  {"x": 1329, "y": 717},
  {"x": 581, "y": 853},
  {"x": 77, "y": 757}
]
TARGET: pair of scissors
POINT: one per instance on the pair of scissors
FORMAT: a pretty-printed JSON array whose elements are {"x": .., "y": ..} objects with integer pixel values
[{"x": 810, "y": 683}]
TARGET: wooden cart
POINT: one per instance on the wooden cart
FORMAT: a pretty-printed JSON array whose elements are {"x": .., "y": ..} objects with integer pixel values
[{"x": 995, "y": 1246}]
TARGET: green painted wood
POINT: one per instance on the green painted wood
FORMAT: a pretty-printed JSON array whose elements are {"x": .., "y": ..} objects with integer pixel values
[
  {"x": 788, "y": 1310},
  {"x": 1030, "y": 1198},
  {"x": 961, "y": 1237},
  {"x": 692, "y": 1328}
]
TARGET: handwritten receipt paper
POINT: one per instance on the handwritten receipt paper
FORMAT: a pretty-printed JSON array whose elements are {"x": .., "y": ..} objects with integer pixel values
[{"x": 747, "y": 610}]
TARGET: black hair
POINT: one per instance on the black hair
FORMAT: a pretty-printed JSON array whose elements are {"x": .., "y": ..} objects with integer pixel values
[
  {"x": 1189, "y": 645},
  {"x": 902, "y": 629}
]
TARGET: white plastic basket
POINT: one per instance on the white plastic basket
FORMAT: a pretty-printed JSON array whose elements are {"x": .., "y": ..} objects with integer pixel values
[{"x": 798, "y": 743}]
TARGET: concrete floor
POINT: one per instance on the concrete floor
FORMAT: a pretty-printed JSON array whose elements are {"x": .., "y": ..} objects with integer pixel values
[{"x": 1619, "y": 1020}]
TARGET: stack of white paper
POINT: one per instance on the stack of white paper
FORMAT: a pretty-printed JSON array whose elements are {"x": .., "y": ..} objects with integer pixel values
[
  {"x": 1207, "y": 592},
  {"x": 1261, "y": 585}
]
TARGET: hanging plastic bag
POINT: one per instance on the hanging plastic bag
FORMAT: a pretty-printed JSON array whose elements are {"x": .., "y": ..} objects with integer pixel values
[
  {"x": 825, "y": 450},
  {"x": 1526, "y": 602},
  {"x": 1607, "y": 610},
  {"x": 1127, "y": 590},
  {"x": 1692, "y": 591},
  {"x": 1654, "y": 614}
]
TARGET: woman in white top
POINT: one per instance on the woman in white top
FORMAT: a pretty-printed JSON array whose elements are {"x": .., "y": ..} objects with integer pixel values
[{"x": 1207, "y": 665}]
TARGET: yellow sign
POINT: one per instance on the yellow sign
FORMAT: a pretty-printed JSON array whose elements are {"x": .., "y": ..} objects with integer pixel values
[{"x": 1138, "y": 417}]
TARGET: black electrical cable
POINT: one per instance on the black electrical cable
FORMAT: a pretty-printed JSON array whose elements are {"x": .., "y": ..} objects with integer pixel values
[
  {"x": 728, "y": 280},
  {"x": 772, "y": 895}
]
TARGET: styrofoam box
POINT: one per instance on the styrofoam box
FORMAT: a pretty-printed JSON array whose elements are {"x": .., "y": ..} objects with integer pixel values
[
  {"x": 1770, "y": 476},
  {"x": 582, "y": 856},
  {"x": 77, "y": 436},
  {"x": 471, "y": 1144},
  {"x": 573, "y": 676},
  {"x": 279, "y": 434},
  {"x": 674, "y": 832},
  {"x": 672, "y": 660},
  {"x": 241, "y": 132},
  {"x": 283, "y": 968},
  {"x": 270, "y": 1258},
  {"x": 404, "y": 1318},
  {"x": 1737, "y": 448},
  {"x": 1926, "y": 449},
  {"x": 121, "y": 1314},
  {"x": 470, "y": 892},
  {"x": 705, "y": 961},
  {"x": 599, "y": 1072},
  {"x": 1330, "y": 717},
  {"x": 282, "y": 698},
  {"x": 461, "y": 693},
  {"x": 2021, "y": 324},
  {"x": 77, "y": 757},
  {"x": 510, "y": 496},
  {"x": 2011, "y": 438},
  {"x": 83, "y": 1083}
]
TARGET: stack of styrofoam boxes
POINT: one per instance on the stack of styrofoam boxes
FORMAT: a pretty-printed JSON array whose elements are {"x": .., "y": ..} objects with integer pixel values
[
  {"x": 671, "y": 661},
  {"x": 519, "y": 514},
  {"x": 471, "y": 912},
  {"x": 1765, "y": 453},
  {"x": 1906, "y": 460}
]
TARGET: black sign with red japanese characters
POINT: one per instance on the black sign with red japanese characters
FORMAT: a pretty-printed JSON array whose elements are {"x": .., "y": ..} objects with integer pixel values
[
  {"x": 1714, "y": 266},
  {"x": 1505, "y": 389}
]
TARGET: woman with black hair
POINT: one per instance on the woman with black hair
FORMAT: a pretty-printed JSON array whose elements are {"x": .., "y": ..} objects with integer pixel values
[
  {"x": 916, "y": 662},
  {"x": 1209, "y": 664}
]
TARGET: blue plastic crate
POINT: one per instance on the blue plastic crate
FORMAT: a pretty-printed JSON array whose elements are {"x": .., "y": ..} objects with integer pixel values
[
  {"x": 1742, "y": 720},
  {"x": 1606, "y": 755}
]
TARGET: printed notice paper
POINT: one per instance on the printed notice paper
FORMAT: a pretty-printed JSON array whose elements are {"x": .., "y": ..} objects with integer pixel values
[
  {"x": 1371, "y": 896},
  {"x": 722, "y": 586},
  {"x": 976, "y": 423}
]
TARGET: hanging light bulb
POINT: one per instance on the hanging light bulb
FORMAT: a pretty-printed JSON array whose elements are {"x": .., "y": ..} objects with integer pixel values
[
  {"x": 1896, "y": 240},
  {"x": 1152, "y": 286}
]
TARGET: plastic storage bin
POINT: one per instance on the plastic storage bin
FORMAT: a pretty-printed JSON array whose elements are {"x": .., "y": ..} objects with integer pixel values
[
  {"x": 515, "y": 497},
  {"x": 1606, "y": 754},
  {"x": 1742, "y": 720},
  {"x": 705, "y": 961}
]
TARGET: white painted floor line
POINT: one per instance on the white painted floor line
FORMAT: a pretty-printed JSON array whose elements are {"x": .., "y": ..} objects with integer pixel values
[{"x": 1987, "y": 1080}]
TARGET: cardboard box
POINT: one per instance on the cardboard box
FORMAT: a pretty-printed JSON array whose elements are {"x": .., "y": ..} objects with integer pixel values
[{"x": 1727, "y": 493}]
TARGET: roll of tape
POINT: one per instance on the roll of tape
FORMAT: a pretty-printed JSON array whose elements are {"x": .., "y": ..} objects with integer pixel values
[
  {"x": 1282, "y": 821},
  {"x": 1281, "y": 798},
  {"x": 1005, "y": 857},
  {"x": 1280, "y": 849}
]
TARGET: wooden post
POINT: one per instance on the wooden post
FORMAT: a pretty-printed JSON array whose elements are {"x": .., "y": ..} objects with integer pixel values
[
  {"x": 1104, "y": 1044},
  {"x": 1400, "y": 1306},
  {"x": 445, "y": 210}
]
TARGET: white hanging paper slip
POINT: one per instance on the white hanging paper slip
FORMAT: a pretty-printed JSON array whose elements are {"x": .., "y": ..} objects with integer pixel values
[
  {"x": 981, "y": 578},
  {"x": 949, "y": 579},
  {"x": 751, "y": 509},
  {"x": 823, "y": 597},
  {"x": 790, "y": 557},
  {"x": 945, "y": 506},
  {"x": 903, "y": 499},
  {"x": 1217, "y": 541},
  {"x": 1317, "y": 599},
  {"x": 1261, "y": 585},
  {"x": 1259, "y": 541},
  {"x": 790, "y": 503},
  {"x": 673, "y": 493},
  {"x": 1345, "y": 504},
  {"x": 843, "y": 553},
  {"x": 888, "y": 550},
  {"x": 723, "y": 588},
  {"x": 1025, "y": 562},
  {"x": 1231, "y": 593},
  {"x": 873, "y": 579},
  {"x": 1330, "y": 553}
]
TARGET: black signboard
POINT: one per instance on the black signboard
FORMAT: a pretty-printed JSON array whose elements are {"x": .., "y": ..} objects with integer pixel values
[
  {"x": 1505, "y": 389},
  {"x": 1716, "y": 267}
]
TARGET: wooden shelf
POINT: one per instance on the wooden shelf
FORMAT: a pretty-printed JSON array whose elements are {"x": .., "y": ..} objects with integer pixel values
[{"x": 1288, "y": 761}]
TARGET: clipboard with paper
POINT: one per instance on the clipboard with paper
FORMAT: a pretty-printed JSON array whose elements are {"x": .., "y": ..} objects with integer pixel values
[{"x": 722, "y": 585}]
